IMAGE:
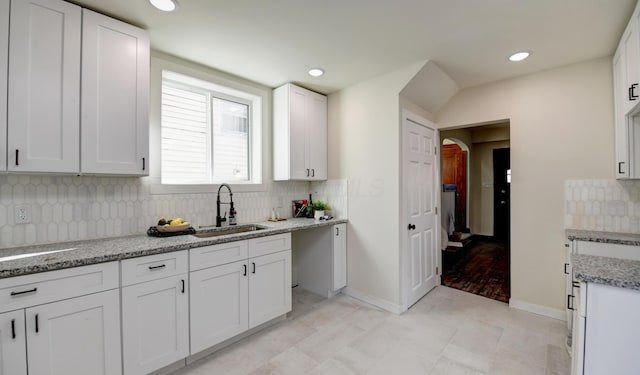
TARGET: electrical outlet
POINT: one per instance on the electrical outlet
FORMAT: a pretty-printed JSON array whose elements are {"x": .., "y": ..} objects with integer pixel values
[{"x": 22, "y": 214}]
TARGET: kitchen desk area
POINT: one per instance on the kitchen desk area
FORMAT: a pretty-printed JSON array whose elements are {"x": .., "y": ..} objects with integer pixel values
[{"x": 604, "y": 300}]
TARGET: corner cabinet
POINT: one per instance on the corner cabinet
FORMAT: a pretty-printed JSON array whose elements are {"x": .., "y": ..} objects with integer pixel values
[
  {"x": 626, "y": 89},
  {"x": 4, "y": 72},
  {"x": 299, "y": 134},
  {"x": 115, "y": 97}
]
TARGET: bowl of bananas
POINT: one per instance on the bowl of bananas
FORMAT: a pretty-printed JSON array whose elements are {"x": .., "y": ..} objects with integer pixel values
[{"x": 172, "y": 225}]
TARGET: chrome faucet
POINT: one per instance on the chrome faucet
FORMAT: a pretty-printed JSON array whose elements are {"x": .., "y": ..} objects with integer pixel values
[{"x": 232, "y": 211}]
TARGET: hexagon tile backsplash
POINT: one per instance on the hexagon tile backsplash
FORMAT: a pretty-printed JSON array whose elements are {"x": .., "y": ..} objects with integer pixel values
[
  {"x": 603, "y": 205},
  {"x": 78, "y": 208}
]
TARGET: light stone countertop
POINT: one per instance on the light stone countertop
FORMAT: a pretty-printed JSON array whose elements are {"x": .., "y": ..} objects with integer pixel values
[
  {"x": 83, "y": 253},
  {"x": 603, "y": 237},
  {"x": 623, "y": 273}
]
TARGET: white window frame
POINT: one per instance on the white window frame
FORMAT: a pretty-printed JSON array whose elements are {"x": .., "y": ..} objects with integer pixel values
[{"x": 195, "y": 75}]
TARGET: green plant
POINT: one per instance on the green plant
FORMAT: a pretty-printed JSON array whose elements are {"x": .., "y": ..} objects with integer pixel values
[{"x": 318, "y": 206}]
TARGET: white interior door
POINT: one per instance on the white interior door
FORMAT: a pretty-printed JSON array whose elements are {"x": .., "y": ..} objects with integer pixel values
[{"x": 419, "y": 195}]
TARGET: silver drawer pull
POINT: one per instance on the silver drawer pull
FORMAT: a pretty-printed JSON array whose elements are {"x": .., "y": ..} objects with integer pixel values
[
  {"x": 157, "y": 267},
  {"x": 24, "y": 292}
]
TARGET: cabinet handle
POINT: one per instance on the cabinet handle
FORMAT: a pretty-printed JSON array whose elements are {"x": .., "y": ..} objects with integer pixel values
[
  {"x": 575, "y": 284},
  {"x": 13, "y": 329},
  {"x": 157, "y": 267},
  {"x": 565, "y": 268},
  {"x": 254, "y": 267},
  {"x": 620, "y": 167},
  {"x": 24, "y": 292},
  {"x": 411, "y": 227},
  {"x": 632, "y": 92},
  {"x": 143, "y": 164},
  {"x": 37, "y": 325},
  {"x": 245, "y": 270},
  {"x": 313, "y": 172},
  {"x": 17, "y": 154},
  {"x": 182, "y": 281},
  {"x": 569, "y": 302},
  {"x": 337, "y": 231},
  {"x": 307, "y": 172}
]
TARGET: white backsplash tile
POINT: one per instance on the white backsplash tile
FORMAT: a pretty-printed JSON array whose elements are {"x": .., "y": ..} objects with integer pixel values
[
  {"x": 79, "y": 208},
  {"x": 603, "y": 205}
]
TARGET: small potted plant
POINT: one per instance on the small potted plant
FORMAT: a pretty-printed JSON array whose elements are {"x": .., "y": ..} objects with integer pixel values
[{"x": 318, "y": 208}]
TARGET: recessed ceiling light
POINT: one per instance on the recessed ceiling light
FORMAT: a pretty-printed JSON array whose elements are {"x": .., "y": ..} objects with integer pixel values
[
  {"x": 165, "y": 5},
  {"x": 316, "y": 72},
  {"x": 519, "y": 56}
]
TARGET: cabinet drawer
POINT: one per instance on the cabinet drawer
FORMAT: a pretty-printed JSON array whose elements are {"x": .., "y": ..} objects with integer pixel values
[
  {"x": 215, "y": 255},
  {"x": 153, "y": 267},
  {"x": 30, "y": 290},
  {"x": 271, "y": 244}
]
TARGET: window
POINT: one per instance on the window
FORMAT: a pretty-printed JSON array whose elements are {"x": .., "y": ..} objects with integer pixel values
[{"x": 208, "y": 133}]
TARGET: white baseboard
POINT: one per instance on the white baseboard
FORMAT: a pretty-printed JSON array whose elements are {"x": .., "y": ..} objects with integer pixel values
[
  {"x": 375, "y": 301},
  {"x": 538, "y": 309}
]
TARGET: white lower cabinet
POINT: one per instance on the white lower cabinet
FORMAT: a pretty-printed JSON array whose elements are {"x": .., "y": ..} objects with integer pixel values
[
  {"x": 339, "y": 256},
  {"x": 155, "y": 312},
  {"x": 13, "y": 349},
  {"x": 61, "y": 322},
  {"x": 78, "y": 336},
  {"x": 269, "y": 287},
  {"x": 230, "y": 298},
  {"x": 219, "y": 304}
]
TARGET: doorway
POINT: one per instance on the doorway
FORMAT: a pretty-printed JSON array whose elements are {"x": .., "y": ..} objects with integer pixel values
[{"x": 480, "y": 265}]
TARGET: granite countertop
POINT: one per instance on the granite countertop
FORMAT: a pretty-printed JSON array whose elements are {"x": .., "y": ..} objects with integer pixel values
[
  {"x": 623, "y": 273},
  {"x": 80, "y": 253},
  {"x": 603, "y": 237}
]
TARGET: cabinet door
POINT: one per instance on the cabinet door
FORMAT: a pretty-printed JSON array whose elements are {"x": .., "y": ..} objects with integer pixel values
[
  {"x": 269, "y": 287},
  {"x": 612, "y": 330},
  {"x": 13, "y": 351},
  {"x": 298, "y": 157},
  {"x": 44, "y": 87},
  {"x": 78, "y": 336},
  {"x": 316, "y": 121},
  {"x": 155, "y": 324},
  {"x": 4, "y": 72},
  {"x": 219, "y": 304},
  {"x": 115, "y": 91},
  {"x": 620, "y": 97},
  {"x": 339, "y": 256},
  {"x": 631, "y": 46}
]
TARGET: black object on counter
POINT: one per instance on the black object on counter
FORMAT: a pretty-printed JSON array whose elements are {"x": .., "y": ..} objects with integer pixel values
[
  {"x": 310, "y": 209},
  {"x": 153, "y": 232}
]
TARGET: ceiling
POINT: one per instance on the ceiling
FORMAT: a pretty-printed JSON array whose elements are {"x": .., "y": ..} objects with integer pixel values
[{"x": 276, "y": 41}]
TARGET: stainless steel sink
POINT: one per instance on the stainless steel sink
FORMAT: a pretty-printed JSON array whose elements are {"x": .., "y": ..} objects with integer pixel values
[{"x": 228, "y": 230}]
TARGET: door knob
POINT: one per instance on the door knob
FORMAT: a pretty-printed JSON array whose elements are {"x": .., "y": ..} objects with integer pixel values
[{"x": 411, "y": 227}]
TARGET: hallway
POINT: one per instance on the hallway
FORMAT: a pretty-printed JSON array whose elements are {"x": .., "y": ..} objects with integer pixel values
[{"x": 482, "y": 268}]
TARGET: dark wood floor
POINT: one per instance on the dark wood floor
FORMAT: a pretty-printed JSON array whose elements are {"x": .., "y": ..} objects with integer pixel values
[{"x": 481, "y": 268}]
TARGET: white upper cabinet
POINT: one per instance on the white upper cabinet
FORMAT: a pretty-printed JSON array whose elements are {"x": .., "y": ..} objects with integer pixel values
[
  {"x": 626, "y": 89},
  {"x": 4, "y": 71},
  {"x": 299, "y": 134},
  {"x": 44, "y": 86},
  {"x": 115, "y": 96}
]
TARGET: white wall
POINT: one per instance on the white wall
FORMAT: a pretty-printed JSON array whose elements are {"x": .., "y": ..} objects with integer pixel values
[
  {"x": 364, "y": 147},
  {"x": 561, "y": 128}
]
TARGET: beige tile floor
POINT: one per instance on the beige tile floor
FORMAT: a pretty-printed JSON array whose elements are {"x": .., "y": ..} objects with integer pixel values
[{"x": 448, "y": 332}]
